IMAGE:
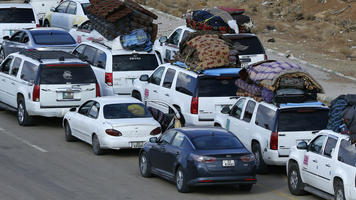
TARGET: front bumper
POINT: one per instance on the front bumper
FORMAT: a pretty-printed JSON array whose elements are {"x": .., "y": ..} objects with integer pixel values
[
  {"x": 222, "y": 180},
  {"x": 350, "y": 192}
]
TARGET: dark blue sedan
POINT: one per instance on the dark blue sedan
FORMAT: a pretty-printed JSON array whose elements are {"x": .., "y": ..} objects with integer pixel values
[{"x": 199, "y": 156}]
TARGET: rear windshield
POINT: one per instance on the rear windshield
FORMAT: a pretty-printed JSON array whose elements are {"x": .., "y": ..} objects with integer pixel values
[
  {"x": 134, "y": 62},
  {"x": 217, "y": 87},
  {"x": 125, "y": 110},
  {"x": 248, "y": 46},
  {"x": 303, "y": 119},
  {"x": 85, "y": 7},
  {"x": 52, "y": 38},
  {"x": 16, "y": 15},
  {"x": 216, "y": 142},
  {"x": 67, "y": 74}
]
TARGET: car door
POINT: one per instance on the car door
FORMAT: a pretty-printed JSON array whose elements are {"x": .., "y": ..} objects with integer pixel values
[
  {"x": 166, "y": 93},
  {"x": 59, "y": 15},
  {"x": 233, "y": 122},
  {"x": 246, "y": 125},
  {"x": 312, "y": 160},
  {"x": 13, "y": 81},
  {"x": 70, "y": 15},
  {"x": 172, "y": 45},
  {"x": 153, "y": 87},
  {"x": 174, "y": 151},
  {"x": 5, "y": 81},
  {"x": 78, "y": 119},
  {"x": 14, "y": 43}
]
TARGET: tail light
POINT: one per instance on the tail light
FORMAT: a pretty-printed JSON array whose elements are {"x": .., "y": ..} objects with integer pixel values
[
  {"x": 108, "y": 79},
  {"x": 113, "y": 132},
  {"x": 266, "y": 58},
  {"x": 97, "y": 88},
  {"x": 37, "y": 26},
  {"x": 250, "y": 179},
  {"x": 274, "y": 141},
  {"x": 194, "y": 105},
  {"x": 36, "y": 93},
  {"x": 156, "y": 131},
  {"x": 247, "y": 158},
  {"x": 203, "y": 159}
]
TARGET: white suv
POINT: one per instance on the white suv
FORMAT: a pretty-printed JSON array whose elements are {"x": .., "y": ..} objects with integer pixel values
[
  {"x": 117, "y": 68},
  {"x": 195, "y": 95},
  {"x": 270, "y": 130},
  {"x": 45, "y": 83},
  {"x": 325, "y": 167}
]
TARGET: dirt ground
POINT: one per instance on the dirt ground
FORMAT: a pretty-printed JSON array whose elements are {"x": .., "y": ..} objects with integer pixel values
[{"x": 322, "y": 32}]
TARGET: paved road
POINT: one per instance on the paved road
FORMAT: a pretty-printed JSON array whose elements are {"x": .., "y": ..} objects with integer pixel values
[{"x": 36, "y": 163}]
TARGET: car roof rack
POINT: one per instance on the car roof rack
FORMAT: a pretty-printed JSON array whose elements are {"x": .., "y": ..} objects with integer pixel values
[
  {"x": 40, "y": 55},
  {"x": 231, "y": 71},
  {"x": 101, "y": 43}
]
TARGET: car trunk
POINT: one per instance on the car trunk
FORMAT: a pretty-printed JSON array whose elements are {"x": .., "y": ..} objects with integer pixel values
[
  {"x": 214, "y": 93},
  {"x": 134, "y": 127},
  {"x": 298, "y": 124},
  {"x": 127, "y": 68},
  {"x": 66, "y": 85}
]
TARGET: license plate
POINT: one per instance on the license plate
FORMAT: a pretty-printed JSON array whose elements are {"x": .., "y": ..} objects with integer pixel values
[
  {"x": 228, "y": 163},
  {"x": 136, "y": 145},
  {"x": 68, "y": 95}
]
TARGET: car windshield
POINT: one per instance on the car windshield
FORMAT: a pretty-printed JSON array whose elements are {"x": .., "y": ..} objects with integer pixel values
[
  {"x": 126, "y": 110},
  {"x": 67, "y": 74},
  {"x": 248, "y": 46},
  {"x": 134, "y": 62},
  {"x": 216, "y": 142},
  {"x": 17, "y": 15},
  {"x": 216, "y": 86},
  {"x": 302, "y": 119},
  {"x": 52, "y": 38},
  {"x": 85, "y": 7}
]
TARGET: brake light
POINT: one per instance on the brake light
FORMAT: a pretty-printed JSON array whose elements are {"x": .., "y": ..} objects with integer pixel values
[
  {"x": 113, "y": 132},
  {"x": 156, "y": 131},
  {"x": 247, "y": 158},
  {"x": 194, "y": 105},
  {"x": 250, "y": 179},
  {"x": 37, "y": 26},
  {"x": 108, "y": 79},
  {"x": 274, "y": 141},
  {"x": 266, "y": 58},
  {"x": 97, "y": 88},
  {"x": 203, "y": 159},
  {"x": 36, "y": 93}
]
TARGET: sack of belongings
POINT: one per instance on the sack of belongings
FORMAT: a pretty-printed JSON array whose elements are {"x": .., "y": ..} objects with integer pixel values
[
  {"x": 342, "y": 115},
  {"x": 137, "y": 40}
]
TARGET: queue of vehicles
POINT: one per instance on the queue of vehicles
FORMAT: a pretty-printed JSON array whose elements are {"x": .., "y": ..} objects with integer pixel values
[{"x": 39, "y": 80}]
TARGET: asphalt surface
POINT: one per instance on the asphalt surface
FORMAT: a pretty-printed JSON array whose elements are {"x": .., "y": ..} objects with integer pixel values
[{"x": 37, "y": 163}]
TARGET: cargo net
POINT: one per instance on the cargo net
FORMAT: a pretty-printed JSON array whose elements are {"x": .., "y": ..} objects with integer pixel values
[{"x": 113, "y": 18}]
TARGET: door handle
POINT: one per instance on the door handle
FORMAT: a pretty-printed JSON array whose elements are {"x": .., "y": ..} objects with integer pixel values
[
  {"x": 327, "y": 165},
  {"x": 155, "y": 91},
  {"x": 12, "y": 83},
  {"x": 315, "y": 161},
  {"x": 177, "y": 153},
  {"x": 166, "y": 95}
]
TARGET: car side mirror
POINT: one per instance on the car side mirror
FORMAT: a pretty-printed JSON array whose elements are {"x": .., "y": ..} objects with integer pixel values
[
  {"x": 302, "y": 145},
  {"x": 153, "y": 139},
  {"x": 144, "y": 77},
  {"x": 225, "y": 110},
  {"x": 163, "y": 39},
  {"x": 73, "y": 109},
  {"x": 53, "y": 9},
  {"x": 6, "y": 38}
]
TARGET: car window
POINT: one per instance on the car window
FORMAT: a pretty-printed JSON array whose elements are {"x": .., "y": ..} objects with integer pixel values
[
  {"x": 236, "y": 110},
  {"x": 134, "y": 62},
  {"x": 168, "y": 78},
  {"x": 207, "y": 142},
  {"x": 79, "y": 50},
  {"x": 157, "y": 76},
  {"x": 16, "y": 37},
  {"x": 25, "y": 38},
  {"x": 126, "y": 110},
  {"x": 166, "y": 138},
  {"x": 186, "y": 84},
  {"x": 265, "y": 117},
  {"x": 5, "y": 67},
  {"x": 62, "y": 7},
  {"x": 94, "y": 110},
  {"x": 174, "y": 38},
  {"x": 72, "y": 8},
  {"x": 178, "y": 139},
  {"x": 347, "y": 153},
  {"x": 15, "y": 66},
  {"x": 89, "y": 54},
  {"x": 52, "y": 38},
  {"x": 85, "y": 107},
  {"x": 216, "y": 86},
  {"x": 67, "y": 74},
  {"x": 317, "y": 144},
  {"x": 29, "y": 71},
  {"x": 100, "y": 59},
  {"x": 85, "y": 7},
  {"x": 185, "y": 34},
  {"x": 249, "y": 111},
  {"x": 17, "y": 15},
  {"x": 248, "y": 45},
  {"x": 330, "y": 146}
]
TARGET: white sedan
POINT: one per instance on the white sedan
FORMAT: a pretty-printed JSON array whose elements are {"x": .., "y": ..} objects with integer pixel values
[{"x": 111, "y": 123}]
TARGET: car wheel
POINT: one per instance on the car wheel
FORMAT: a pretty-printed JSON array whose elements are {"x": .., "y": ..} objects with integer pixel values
[
  {"x": 22, "y": 116},
  {"x": 46, "y": 23},
  {"x": 145, "y": 166},
  {"x": 245, "y": 187},
  {"x": 295, "y": 183},
  {"x": 97, "y": 150},
  {"x": 339, "y": 190},
  {"x": 68, "y": 133},
  {"x": 181, "y": 181},
  {"x": 261, "y": 167}
]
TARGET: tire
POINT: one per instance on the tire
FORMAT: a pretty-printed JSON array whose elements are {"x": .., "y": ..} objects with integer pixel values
[
  {"x": 68, "y": 133},
  {"x": 97, "y": 150},
  {"x": 22, "y": 116},
  {"x": 136, "y": 95},
  {"x": 245, "y": 187},
  {"x": 181, "y": 182},
  {"x": 46, "y": 24},
  {"x": 339, "y": 190},
  {"x": 261, "y": 167},
  {"x": 295, "y": 183},
  {"x": 145, "y": 165}
]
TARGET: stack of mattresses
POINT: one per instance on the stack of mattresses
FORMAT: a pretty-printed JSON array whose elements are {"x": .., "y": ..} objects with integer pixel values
[{"x": 113, "y": 18}]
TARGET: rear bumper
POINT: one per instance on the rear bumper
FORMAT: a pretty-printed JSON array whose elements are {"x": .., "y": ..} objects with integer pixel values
[
  {"x": 222, "y": 180},
  {"x": 193, "y": 120},
  {"x": 112, "y": 142},
  {"x": 271, "y": 157},
  {"x": 34, "y": 109}
]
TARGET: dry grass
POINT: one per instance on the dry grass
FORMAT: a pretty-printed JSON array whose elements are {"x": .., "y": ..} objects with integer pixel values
[{"x": 347, "y": 52}]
